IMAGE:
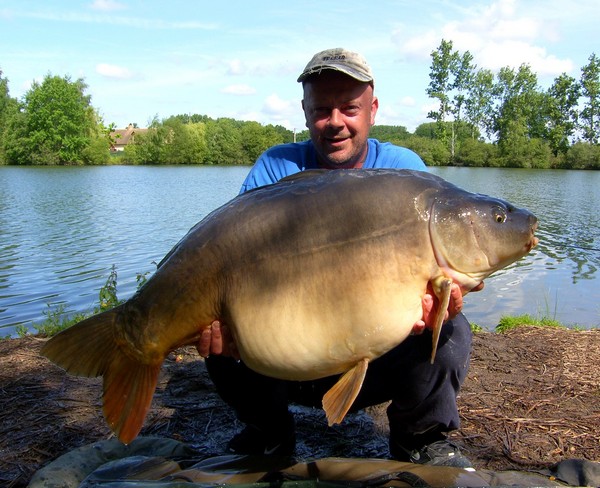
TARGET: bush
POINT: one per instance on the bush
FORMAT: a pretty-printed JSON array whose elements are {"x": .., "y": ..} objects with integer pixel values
[
  {"x": 582, "y": 155},
  {"x": 432, "y": 151},
  {"x": 475, "y": 153}
]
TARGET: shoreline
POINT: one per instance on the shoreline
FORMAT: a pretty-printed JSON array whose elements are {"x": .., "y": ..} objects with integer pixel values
[{"x": 530, "y": 400}]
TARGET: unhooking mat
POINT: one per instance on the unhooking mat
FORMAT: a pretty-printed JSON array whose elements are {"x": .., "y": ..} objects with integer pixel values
[{"x": 164, "y": 463}]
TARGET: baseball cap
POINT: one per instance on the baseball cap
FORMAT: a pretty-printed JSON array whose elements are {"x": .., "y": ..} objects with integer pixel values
[{"x": 339, "y": 59}]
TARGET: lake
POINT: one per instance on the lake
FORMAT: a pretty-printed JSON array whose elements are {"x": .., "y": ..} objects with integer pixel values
[{"x": 63, "y": 228}]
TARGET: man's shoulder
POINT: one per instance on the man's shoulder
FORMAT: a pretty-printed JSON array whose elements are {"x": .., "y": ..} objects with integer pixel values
[
  {"x": 388, "y": 155},
  {"x": 277, "y": 162},
  {"x": 287, "y": 150}
]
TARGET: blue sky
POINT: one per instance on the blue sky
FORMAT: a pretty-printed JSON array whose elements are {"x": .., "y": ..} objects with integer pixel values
[{"x": 241, "y": 58}]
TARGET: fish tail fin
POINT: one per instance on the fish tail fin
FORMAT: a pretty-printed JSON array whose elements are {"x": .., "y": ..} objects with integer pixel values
[
  {"x": 89, "y": 348},
  {"x": 338, "y": 400}
]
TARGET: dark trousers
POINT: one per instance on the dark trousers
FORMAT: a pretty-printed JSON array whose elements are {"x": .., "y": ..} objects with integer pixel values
[{"x": 423, "y": 395}]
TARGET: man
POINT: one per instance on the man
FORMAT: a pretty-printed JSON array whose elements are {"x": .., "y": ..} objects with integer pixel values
[{"x": 340, "y": 107}]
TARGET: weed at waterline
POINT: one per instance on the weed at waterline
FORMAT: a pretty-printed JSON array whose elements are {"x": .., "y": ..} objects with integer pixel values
[{"x": 58, "y": 319}]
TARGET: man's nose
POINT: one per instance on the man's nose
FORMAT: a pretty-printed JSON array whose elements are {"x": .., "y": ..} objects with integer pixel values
[{"x": 336, "y": 118}]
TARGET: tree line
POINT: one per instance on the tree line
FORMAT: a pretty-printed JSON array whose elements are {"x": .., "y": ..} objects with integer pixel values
[
  {"x": 502, "y": 119},
  {"x": 526, "y": 125}
]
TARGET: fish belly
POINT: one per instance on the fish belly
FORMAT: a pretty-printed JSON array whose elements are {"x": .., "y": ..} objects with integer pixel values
[{"x": 307, "y": 325}]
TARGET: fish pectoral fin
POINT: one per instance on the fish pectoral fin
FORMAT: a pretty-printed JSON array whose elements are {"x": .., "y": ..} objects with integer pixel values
[
  {"x": 338, "y": 400},
  {"x": 442, "y": 287}
]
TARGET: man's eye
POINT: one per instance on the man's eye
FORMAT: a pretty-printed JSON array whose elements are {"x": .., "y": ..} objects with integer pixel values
[{"x": 321, "y": 111}]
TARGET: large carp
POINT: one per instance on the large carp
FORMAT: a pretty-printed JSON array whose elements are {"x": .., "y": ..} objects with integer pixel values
[{"x": 315, "y": 275}]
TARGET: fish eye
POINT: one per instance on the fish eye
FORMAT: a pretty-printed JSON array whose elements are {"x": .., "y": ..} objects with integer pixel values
[{"x": 499, "y": 215}]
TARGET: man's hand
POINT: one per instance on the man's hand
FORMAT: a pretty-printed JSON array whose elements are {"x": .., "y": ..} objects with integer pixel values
[
  {"x": 217, "y": 339},
  {"x": 430, "y": 305}
]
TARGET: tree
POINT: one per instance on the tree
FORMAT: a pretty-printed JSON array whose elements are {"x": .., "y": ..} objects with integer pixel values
[
  {"x": 518, "y": 103},
  {"x": 443, "y": 63},
  {"x": 561, "y": 110},
  {"x": 389, "y": 133},
  {"x": 479, "y": 103},
  {"x": 257, "y": 138},
  {"x": 184, "y": 143},
  {"x": 450, "y": 78},
  {"x": 8, "y": 109},
  {"x": 224, "y": 142},
  {"x": 57, "y": 125},
  {"x": 590, "y": 89}
]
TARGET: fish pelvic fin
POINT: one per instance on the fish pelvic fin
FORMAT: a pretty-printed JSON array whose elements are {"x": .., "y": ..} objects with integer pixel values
[
  {"x": 338, "y": 400},
  {"x": 90, "y": 348},
  {"x": 442, "y": 287}
]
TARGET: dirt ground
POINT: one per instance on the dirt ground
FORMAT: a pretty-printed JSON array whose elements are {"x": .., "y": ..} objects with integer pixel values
[{"x": 532, "y": 398}]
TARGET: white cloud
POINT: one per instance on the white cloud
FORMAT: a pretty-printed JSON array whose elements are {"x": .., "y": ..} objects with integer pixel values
[
  {"x": 513, "y": 53},
  {"x": 239, "y": 90},
  {"x": 235, "y": 67},
  {"x": 280, "y": 111},
  {"x": 498, "y": 34},
  {"x": 107, "y": 5},
  {"x": 274, "y": 104},
  {"x": 122, "y": 21},
  {"x": 407, "y": 101},
  {"x": 114, "y": 71}
]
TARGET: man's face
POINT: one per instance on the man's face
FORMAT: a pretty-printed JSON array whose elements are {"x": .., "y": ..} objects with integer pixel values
[{"x": 339, "y": 113}]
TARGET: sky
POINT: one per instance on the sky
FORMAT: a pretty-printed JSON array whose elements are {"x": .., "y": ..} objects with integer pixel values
[{"x": 239, "y": 58}]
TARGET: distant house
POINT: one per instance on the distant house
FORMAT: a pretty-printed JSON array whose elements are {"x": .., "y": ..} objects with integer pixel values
[{"x": 122, "y": 137}]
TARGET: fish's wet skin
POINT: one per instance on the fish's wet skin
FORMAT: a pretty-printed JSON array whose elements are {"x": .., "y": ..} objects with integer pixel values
[{"x": 271, "y": 263}]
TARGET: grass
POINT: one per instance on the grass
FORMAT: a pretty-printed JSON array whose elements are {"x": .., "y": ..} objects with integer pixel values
[{"x": 509, "y": 322}]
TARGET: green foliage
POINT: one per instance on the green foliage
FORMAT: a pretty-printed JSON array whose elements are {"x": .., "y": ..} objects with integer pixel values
[
  {"x": 532, "y": 128},
  {"x": 396, "y": 134},
  {"x": 56, "y": 320},
  {"x": 590, "y": 88},
  {"x": 518, "y": 97},
  {"x": 451, "y": 77},
  {"x": 180, "y": 140},
  {"x": 582, "y": 155},
  {"x": 8, "y": 110},
  {"x": 432, "y": 151},
  {"x": 561, "y": 111},
  {"x": 476, "y": 327},
  {"x": 56, "y": 124},
  {"x": 508, "y": 323},
  {"x": 107, "y": 298},
  {"x": 476, "y": 153}
]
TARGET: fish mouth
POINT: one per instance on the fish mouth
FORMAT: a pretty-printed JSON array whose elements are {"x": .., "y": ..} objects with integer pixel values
[{"x": 534, "y": 240}]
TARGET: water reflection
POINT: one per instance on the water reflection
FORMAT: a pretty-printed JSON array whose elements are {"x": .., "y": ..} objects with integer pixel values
[{"x": 567, "y": 204}]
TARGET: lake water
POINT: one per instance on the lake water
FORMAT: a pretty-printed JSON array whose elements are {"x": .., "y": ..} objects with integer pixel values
[{"x": 62, "y": 229}]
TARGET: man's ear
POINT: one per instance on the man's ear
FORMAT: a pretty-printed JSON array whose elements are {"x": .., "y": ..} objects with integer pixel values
[
  {"x": 374, "y": 107},
  {"x": 304, "y": 111}
]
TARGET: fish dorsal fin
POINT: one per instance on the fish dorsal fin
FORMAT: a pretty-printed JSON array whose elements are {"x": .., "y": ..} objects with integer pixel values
[
  {"x": 338, "y": 400},
  {"x": 303, "y": 175},
  {"x": 442, "y": 287}
]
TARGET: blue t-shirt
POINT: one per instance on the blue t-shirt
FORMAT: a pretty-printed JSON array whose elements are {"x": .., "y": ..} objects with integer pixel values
[{"x": 286, "y": 159}]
